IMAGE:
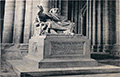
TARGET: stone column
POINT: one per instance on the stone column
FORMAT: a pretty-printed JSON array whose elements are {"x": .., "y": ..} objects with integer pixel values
[
  {"x": 55, "y": 3},
  {"x": 64, "y": 8},
  {"x": 116, "y": 47},
  {"x": 89, "y": 19},
  {"x": 81, "y": 18},
  {"x": 117, "y": 22},
  {"x": 19, "y": 21},
  {"x": 105, "y": 25},
  {"x": 8, "y": 21},
  {"x": 59, "y": 5},
  {"x": 51, "y": 4},
  {"x": 0, "y": 26},
  {"x": 99, "y": 25},
  {"x": 28, "y": 21},
  {"x": 89, "y": 23},
  {"x": 76, "y": 16},
  {"x": 72, "y": 12},
  {"x": 94, "y": 26},
  {"x": 35, "y": 10}
]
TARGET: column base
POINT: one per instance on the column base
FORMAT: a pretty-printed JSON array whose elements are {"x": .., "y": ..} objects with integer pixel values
[{"x": 115, "y": 50}]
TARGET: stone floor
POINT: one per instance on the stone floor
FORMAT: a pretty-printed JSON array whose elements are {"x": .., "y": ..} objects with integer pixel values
[
  {"x": 93, "y": 75},
  {"x": 7, "y": 72}
]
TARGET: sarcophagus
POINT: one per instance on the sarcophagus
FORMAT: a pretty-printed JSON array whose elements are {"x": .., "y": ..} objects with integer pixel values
[{"x": 60, "y": 51}]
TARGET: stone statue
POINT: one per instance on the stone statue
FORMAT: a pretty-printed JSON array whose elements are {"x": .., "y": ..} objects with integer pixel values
[{"x": 53, "y": 23}]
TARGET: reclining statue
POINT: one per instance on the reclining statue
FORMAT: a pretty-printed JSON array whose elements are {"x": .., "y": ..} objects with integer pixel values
[{"x": 53, "y": 23}]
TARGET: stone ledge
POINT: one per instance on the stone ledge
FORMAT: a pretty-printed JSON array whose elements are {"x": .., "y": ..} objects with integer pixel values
[
  {"x": 67, "y": 63},
  {"x": 23, "y": 69}
]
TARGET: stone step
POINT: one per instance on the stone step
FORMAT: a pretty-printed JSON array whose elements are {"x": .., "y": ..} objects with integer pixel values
[
  {"x": 23, "y": 69},
  {"x": 66, "y": 63},
  {"x": 61, "y": 62},
  {"x": 8, "y": 75},
  {"x": 90, "y": 75},
  {"x": 115, "y": 62}
]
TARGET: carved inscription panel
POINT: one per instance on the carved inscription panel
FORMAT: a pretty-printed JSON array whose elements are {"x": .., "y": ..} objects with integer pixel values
[{"x": 66, "y": 48}]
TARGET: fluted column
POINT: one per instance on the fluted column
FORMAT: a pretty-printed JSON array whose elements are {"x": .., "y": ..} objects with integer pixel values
[
  {"x": 105, "y": 26},
  {"x": 35, "y": 10},
  {"x": 28, "y": 21},
  {"x": 64, "y": 8},
  {"x": 59, "y": 4},
  {"x": 89, "y": 23},
  {"x": 55, "y": 3},
  {"x": 105, "y": 23},
  {"x": 79, "y": 19},
  {"x": 117, "y": 46},
  {"x": 99, "y": 25},
  {"x": 89, "y": 19},
  {"x": 72, "y": 12},
  {"x": 115, "y": 51},
  {"x": 0, "y": 25},
  {"x": 76, "y": 17},
  {"x": 8, "y": 21},
  {"x": 51, "y": 4},
  {"x": 117, "y": 22},
  {"x": 19, "y": 21},
  {"x": 94, "y": 25}
]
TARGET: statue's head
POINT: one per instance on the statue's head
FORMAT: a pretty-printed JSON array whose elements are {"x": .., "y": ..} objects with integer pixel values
[
  {"x": 40, "y": 7},
  {"x": 54, "y": 11}
]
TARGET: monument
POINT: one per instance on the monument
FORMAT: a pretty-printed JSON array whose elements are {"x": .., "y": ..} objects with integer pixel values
[{"x": 55, "y": 45}]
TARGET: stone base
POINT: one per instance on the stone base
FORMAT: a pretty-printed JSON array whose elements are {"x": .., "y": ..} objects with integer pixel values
[
  {"x": 60, "y": 51},
  {"x": 115, "y": 50},
  {"x": 62, "y": 63},
  {"x": 67, "y": 63},
  {"x": 28, "y": 68}
]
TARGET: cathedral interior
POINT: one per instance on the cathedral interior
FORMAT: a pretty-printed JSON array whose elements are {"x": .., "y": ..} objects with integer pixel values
[{"x": 99, "y": 20}]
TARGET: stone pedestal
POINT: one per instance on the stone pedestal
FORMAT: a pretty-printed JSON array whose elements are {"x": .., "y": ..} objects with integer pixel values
[{"x": 60, "y": 51}]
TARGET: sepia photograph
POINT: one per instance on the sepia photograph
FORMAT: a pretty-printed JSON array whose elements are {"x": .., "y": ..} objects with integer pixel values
[{"x": 59, "y": 38}]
